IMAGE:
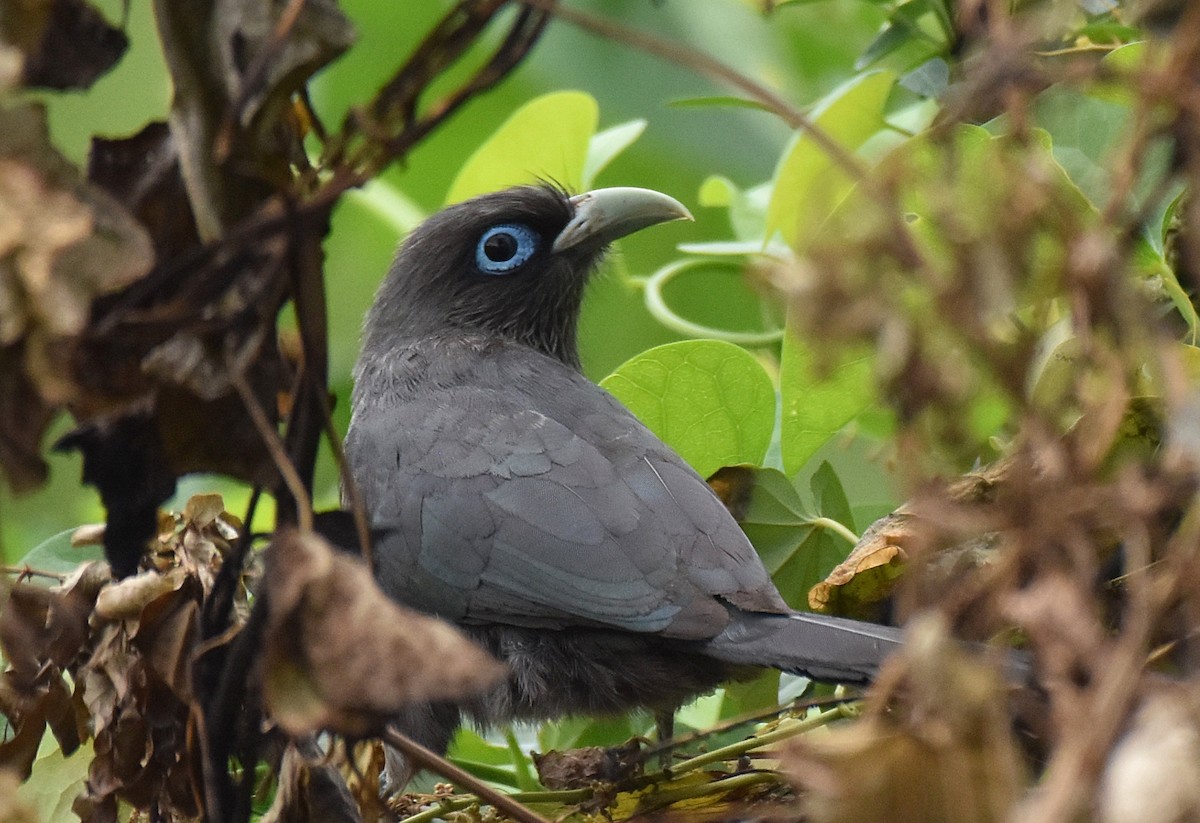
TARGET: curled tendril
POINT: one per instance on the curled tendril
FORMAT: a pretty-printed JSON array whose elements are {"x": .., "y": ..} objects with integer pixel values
[{"x": 656, "y": 304}]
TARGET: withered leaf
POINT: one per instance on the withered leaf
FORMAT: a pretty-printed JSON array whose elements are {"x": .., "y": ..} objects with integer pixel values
[
  {"x": 581, "y": 768},
  {"x": 166, "y": 637},
  {"x": 867, "y": 576},
  {"x": 142, "y": 172},
  {"x": 43, "y": 629},
  {"x": 18, "y": 752},
  {"x": 310, "y": 790},
  {"x": 243, "y": 30},
  {"x": 24, "y": 417},
  {"x": 67, "y": 44},
  {"x": 61, "y": 242},
  {"x": 735, "y": 486},
  {"x": 943, "y": 752},
  {"x": 125, "y": 599},
  {"x": 340, "y": 655}
]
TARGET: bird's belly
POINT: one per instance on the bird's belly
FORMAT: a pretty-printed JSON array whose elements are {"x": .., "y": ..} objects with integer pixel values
[{"x": 590, "y": 672}]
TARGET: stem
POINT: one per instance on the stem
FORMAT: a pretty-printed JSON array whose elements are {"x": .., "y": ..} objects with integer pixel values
[
  {"x": 723, "y": 785},
  {"x": 835, "y": 527},
  {"x": 786, "y": 729}
]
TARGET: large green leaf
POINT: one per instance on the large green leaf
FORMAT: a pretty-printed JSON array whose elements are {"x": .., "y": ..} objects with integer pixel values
[
  {"x": 817, "y": 403},
  {"x": 56, "y": 781},
  {"x": 57, "y": 555},
  {"x": 799, "y": 548},
  {"x": 809, "y": 183},
  {"x": 710, "y": 400},
  {"x": 546, "y": 139}
]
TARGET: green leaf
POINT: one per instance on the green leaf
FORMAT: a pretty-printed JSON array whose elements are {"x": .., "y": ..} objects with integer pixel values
[
  {"x": 577, "y": 732},
  {"x": 829, "y": 495},
  {"x": 1153, "y": 266},
  {"x": 889, "y": 39},
  {"x": 487, "y": 760},
  {"x": 798, "y": 548},
  {"x": 747, "y": 208},
  {"x": 717, "y": 191},
  {"x": 816, "y": 405},
  {"x": 56, "y": 781},
  {"x": 546, "y": 139},
  {"x": 56, "y": 555},
  {"x": 928, "y": 79},
  {"x": 809, "y": 184},
  {"x": 605, "y": 146},
  {"x": 723, "y": 308},
  {"x": 709, "y": 400}
]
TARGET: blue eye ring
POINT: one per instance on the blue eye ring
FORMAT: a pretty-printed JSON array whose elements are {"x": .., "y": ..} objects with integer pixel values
[{"x": 505, "y": 248}]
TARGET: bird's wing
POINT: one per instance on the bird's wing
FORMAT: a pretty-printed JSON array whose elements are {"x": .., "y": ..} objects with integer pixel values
[{"x": 517, "y": 491}]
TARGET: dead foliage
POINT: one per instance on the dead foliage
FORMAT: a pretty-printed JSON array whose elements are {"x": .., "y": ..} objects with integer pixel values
[
  {"x": 1081, "y": 540},
  {"x": 142, "y": 296}
]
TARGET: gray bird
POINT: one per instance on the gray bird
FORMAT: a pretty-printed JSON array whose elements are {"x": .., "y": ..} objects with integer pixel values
[{"x": 519, "y": 500}]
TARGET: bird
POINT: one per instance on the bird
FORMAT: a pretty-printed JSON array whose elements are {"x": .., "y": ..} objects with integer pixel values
[{"x": 517, "y": 499}]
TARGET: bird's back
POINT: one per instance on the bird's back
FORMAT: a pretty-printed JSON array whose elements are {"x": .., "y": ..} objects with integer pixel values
[{"x": 520, "y": 493}]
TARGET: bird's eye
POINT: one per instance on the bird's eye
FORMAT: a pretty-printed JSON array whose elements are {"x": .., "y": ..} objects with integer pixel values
[{"x": 505, "y": 247}]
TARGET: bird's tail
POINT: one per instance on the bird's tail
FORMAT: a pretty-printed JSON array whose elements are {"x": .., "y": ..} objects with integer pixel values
[{"x": 831, "y": 649}]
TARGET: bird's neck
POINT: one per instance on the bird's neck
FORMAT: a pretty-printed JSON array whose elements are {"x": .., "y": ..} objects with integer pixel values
[{"x": 404, "y": 329}]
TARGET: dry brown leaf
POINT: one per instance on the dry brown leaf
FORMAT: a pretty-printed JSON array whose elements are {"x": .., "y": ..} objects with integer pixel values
[
  {"x": 941, "y": 753},
  {"x": 341, "y": 655},
  {"x": 62, "y": 242},
  {"x": 310, "y": 790},
  {"x": 868, "y": 575},
  {"x": 587, "y": 766},
  {"x": 125, "y": 599},
  {"x": 66, "y": 44},
  {"x": 24, "y": 417},
  {"x": 135, "y": 685}
]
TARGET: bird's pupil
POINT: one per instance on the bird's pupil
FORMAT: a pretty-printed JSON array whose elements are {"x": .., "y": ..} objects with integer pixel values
[{"x": 500, "y": 247}]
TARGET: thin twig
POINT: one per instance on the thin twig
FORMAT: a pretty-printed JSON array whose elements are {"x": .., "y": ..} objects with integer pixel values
[
  {"x": 904, "y": 246},
  {"x": 707, "y": 66},
  {"x": 26, "y": 571},
  {"x": 427, "y": 759},
  {"x": 253, "y": 77},
  {"x": 274, "y": 444}
]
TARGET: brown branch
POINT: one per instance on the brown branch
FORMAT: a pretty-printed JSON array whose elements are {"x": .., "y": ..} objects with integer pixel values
[
  {"x": 902, "y": 243},
  {"x": 253, "y": 77},
  {"x": 707, "y": 66},
  {"x": 399, "y": 98},
  {"x": 427, "y": 759}
]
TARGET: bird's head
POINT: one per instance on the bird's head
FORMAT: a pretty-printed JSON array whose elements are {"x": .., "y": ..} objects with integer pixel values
[{"x": 512, "y": 264}]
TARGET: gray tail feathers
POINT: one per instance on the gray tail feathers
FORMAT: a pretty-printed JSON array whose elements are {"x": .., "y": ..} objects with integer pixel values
[{"x": 831, "y": 649}]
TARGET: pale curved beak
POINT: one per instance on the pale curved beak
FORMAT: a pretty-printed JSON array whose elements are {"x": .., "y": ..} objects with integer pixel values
[{"x": 604, "y": 215}]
